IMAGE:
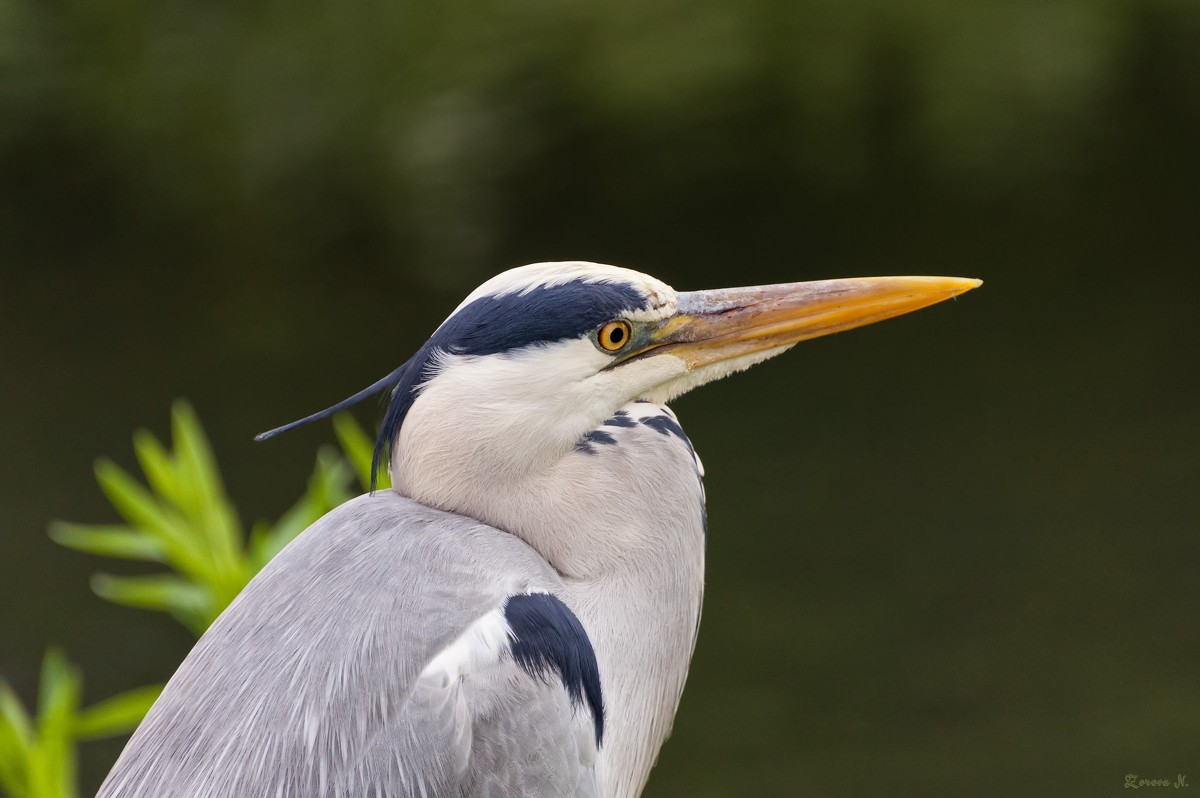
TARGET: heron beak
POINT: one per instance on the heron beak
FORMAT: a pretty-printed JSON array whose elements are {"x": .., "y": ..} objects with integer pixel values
[{"x": 723, "y": 324}]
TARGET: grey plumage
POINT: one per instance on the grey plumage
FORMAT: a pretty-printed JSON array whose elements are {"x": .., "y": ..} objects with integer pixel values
[
  {"x": 310, "y": 683},
  {"x": 312, "y": 676},
  {"x": 516, "y": 617}
]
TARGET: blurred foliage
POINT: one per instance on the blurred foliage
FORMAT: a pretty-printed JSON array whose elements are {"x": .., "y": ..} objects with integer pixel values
[
  {"x": 37, "y": 755},
  {"x": 185, "y": 521},
  {"x": 359, "y": 451}
]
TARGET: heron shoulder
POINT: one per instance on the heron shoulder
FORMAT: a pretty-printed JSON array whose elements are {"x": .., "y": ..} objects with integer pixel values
[{"x": 344, "y": 622}]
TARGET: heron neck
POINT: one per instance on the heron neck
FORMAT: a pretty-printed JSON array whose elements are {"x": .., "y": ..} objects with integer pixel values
[
  {"x": 633, "y": 571},
  {"x": 623, "y": 524},
  {"x": 643, "y": 625}
]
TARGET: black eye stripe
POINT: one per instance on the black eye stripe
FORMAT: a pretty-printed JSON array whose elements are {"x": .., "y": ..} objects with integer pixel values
[
  {"x": 553, "y": 313},
  {"x": 493, "y": 324}
]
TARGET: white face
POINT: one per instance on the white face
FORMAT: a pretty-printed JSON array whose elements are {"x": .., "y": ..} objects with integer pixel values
[
  {"x": 549, "y": 393},
  {"x": 557, "y": 390},
  {"x": 568, "y": 381}
]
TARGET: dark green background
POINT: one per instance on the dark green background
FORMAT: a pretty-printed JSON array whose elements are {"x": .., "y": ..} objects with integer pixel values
[{"x": 953, "y": 554}]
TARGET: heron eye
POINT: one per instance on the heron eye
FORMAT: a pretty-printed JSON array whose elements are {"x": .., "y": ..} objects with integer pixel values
[{"x": 613, "y": 336}]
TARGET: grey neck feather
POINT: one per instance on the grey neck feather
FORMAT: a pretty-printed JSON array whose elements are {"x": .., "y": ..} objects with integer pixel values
[{"x": 624, "y": 526}]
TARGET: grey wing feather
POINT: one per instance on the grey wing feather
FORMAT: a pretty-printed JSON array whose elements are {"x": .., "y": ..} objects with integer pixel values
[
  {"x": 529, "y": 743},
  {"x": 311, "y": 683}
]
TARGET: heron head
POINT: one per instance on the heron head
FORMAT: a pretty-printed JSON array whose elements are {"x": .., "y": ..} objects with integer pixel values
[{"x": 541, "y": 354}]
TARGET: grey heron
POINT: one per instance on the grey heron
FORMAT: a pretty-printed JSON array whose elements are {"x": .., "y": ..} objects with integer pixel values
[{"x": 517, "y": 615}]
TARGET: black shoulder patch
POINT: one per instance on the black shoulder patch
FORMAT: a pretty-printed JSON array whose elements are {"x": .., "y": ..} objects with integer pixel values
[{"x": 547, "y": 636}]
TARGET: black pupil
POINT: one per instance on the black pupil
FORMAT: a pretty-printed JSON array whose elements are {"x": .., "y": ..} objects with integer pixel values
[{"x": 616, "y": 334}]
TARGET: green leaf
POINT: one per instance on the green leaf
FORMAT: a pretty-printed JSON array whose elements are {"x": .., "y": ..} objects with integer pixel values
[
  {"x": 136, "y": 504},
  {"x": 156, "y": 464},
  {"x": 327, "y": 488},
  {"x": 61, "y": 685},
  {"x": 14, "y": 769},
  {"x": 182, "y": 548},
  {"x": 39, "y": 760},
  {"x": 116, "y": 540},
  {"x": 52, "y": 755},
  {"x": 143, "y": 511},
  {"x": 13, "y": 715},
  {"x": 216, "y": 520},
  {"x": 185, "y": 520},
  {"x": 194, "y": 457},
  {"x": 16, "y": 737},
  {"x": 359, "y": 450},
  {"x": 355, "y": 444},
  {"x": 191, "y": 603},
  {"x": 117, "y": 715}
]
